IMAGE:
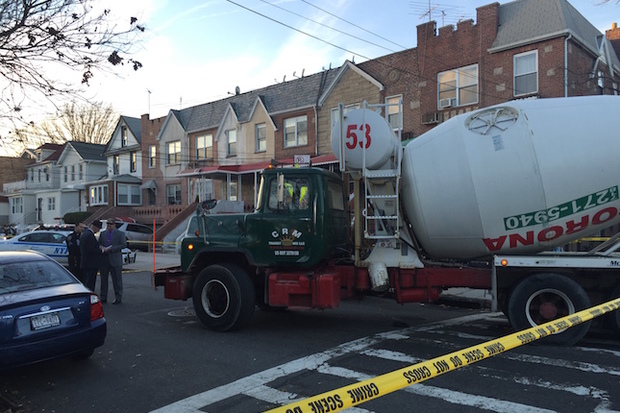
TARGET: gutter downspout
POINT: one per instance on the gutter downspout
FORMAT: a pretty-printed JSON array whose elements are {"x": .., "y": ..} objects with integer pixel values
[
  {"x": 570, "y": 36},
  {"x": 316, "y": 132}
]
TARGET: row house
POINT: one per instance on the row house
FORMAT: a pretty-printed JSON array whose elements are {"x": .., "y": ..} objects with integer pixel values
[
  {"x": 56, "y": 183},
  {"x": 119, "y": 189}
]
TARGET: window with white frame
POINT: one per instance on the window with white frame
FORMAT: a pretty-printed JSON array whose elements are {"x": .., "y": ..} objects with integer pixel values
[
  {"x": 204, "y": 147},
  {"x": 133, "y": 161},
  {"x": 173, "y": 194},
  {"x": 346, "y": 109},
  {"x": 393, "y": 111},
  {"x": 17, "y": 206},
  {"x": 152, "y": 156},
  {"x": 81, "y": 172},
  {"x": 525, "y": 73},
  {"x": 51, "y": 204},
  {"x": 457, "y": 87},
  {"x": 124, "y": 136},
  {"x": 231, "y": 142},
  {"x": 47, "y": 173},
  {"x": 72, "y": 172},
  {"x": 129, "y": 194},
  {"x": 66, "y": 174},
  {"x": 296, "y": 131},
  {"x": 261, "y": 137},
  {"x": 116, "y": 164},
  {"x": 98, "y": 195},
  {"x": 39, "y": 170},
  {"x": 173, "y": 156}
]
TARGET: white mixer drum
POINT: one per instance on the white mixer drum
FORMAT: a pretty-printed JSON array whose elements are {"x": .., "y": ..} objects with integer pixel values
[
  {"x": 520, "y": 177},
  {"x": 364, "y": 134}
]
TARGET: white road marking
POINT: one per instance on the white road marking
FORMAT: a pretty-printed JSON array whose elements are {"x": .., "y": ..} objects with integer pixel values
[
  {"x": 255, "y": 385},
  {"x": 450, "y": 396}
]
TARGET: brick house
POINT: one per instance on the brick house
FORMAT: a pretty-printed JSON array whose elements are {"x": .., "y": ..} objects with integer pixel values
[{"x": 517, "y": 50}]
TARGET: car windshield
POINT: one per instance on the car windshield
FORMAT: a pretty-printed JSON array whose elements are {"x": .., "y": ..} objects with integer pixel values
[{"x": 22, "y": 276}]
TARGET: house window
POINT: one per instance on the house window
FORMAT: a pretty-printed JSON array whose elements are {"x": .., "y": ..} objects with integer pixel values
[
  {"x": 345, "y": 110},
  {"x": 32, "y": 175},
  {"x": 47, "y": 173},
  {"x": 98, "y": 195},
  {"x": 457, "y": 87},
  {"x": 173, "y": 194},
  {"x": 124, "y": 138},
  {"x": 204, "y": 147},
  {"x": 174, "y": 153},
  {"x": 66, "y": 174},
  {"x": 231, "y": 142},
  {"x": 129, "y": 194},
  {"x": 17, "y": 206},
  {"x": 39, "y": 171},
  {"x": 81, "y": 172},
  {"x": 601, "y": 82},
  {"x": 393, "y": 112},
  {"x": 133, "y": 161},
  {"x": 116, "y": 162},
  {"x": 296, "y": 131},
  {"x": 526, "y": 73},
  {"x": 51, "y": 204},
  {"x": 261, "y": 138},
  {"x": 152, "y": 156},
  {"x": 72, "y": 172}
]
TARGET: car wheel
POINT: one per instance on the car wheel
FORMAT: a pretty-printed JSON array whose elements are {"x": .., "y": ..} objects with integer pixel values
[
  {"x": 541, "y": 298},
  {"x": 223, "y": 297}
]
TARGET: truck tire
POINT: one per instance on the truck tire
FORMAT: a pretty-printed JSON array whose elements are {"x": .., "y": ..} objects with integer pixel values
[
  {"x": 223, "y": 297},
  {"x": 541, "y": 298},
  {"x": 613, "y": 318}
]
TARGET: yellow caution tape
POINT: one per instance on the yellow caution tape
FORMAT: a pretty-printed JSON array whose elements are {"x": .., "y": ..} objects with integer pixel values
[{"x": 363, "y": 391}]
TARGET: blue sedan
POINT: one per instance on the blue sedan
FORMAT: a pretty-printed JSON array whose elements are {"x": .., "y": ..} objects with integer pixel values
[{"x": 45, "y": 312}]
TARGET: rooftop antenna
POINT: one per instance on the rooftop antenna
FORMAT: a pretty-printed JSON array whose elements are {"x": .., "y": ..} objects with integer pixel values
[
  {"x": 180, "y": 102},
  {"x": 148, "y": 100}
]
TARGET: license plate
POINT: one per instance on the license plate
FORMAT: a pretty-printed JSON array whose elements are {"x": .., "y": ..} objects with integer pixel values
[{"x": 42, "y": 321}]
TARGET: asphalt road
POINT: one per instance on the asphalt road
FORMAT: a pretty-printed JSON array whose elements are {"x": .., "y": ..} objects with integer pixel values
[{"x": 157, "y": 357}]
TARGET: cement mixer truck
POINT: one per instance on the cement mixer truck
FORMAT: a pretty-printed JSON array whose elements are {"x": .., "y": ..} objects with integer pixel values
[{"x": 484, "y": 200}]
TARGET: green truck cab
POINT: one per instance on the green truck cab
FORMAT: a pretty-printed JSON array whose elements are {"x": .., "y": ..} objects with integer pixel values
[{"x": 270, "y": 257}]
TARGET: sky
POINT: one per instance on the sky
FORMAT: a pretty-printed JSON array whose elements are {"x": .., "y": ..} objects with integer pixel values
[{"x": 198, "y": 51}]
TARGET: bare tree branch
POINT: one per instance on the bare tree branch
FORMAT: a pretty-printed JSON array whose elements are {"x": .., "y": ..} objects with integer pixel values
[{"x": 43, "y": 40}]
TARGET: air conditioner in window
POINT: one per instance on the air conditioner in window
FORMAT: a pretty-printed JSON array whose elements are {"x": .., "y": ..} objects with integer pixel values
[{"x": 447, "y": 103}]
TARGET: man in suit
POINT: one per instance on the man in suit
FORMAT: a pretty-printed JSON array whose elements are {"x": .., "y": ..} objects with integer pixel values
[
  {"x": 112, "y": 241},
  {"x": 73, "y": 248},
  {"x": 90, "y": 254}
]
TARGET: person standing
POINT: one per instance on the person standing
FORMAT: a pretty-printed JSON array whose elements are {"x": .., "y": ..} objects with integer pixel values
[
  {"x": 90, "y": 254},
  {"x": 73, "y": 248},
  {"x": 112, "y": 241}
]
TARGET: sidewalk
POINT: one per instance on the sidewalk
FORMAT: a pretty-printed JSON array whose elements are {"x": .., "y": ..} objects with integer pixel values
[{"x": 144, "y": 261}]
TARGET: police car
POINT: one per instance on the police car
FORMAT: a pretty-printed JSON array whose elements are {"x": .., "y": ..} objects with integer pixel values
[{"x": 51, "y": 243}]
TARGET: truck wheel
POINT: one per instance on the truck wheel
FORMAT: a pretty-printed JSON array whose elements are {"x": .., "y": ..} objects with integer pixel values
[
  {"x": 541, "y": 298},
  {"x": 223, "y": 297},
  {"x": 614, "y": 317}
]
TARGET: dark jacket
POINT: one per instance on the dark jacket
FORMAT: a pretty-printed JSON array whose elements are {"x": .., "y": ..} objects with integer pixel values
[{"x": 90, "y": 250}]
